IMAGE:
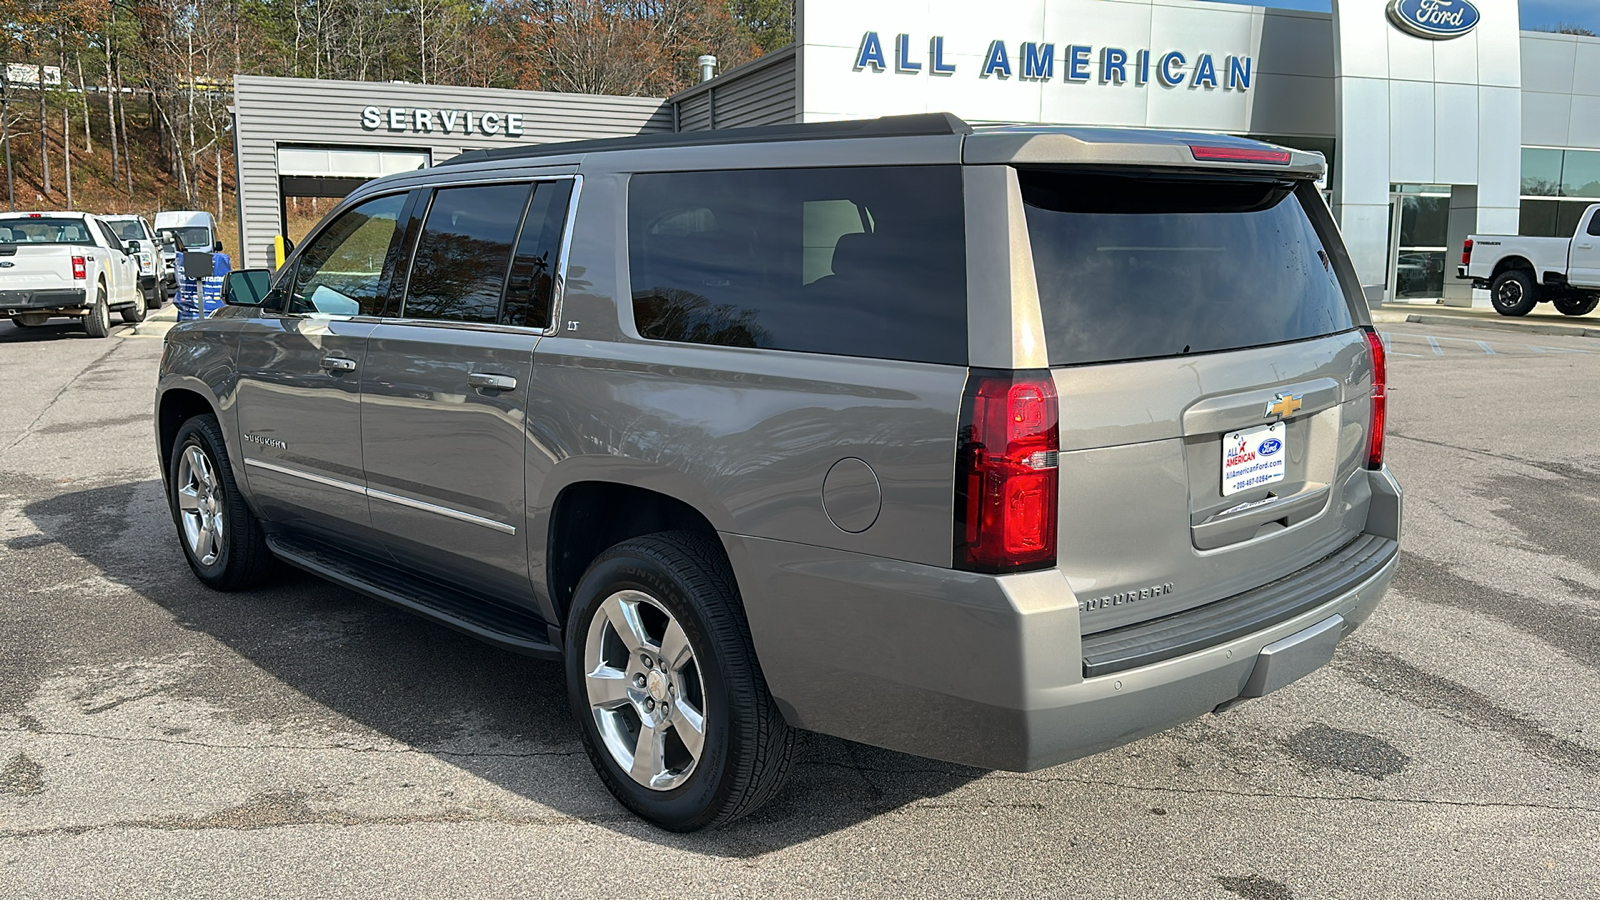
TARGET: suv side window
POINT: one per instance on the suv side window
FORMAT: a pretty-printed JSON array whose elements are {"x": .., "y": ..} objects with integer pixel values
[
  {"x": 850, "y": 261},
  {"x": 531, "y": 286},
  {"x": 1594, "y": 223},
  {"x": 459, "y": 271},
  {"x": 341, "y": 272}
]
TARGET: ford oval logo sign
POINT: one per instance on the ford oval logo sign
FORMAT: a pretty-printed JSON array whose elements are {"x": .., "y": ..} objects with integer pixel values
[
  {"x": 1435, "y": 20},
  {"x": 1271, "y": 446}
]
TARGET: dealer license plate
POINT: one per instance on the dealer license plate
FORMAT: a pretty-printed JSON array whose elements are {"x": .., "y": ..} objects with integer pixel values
[{"x": 1253, "y": 457}]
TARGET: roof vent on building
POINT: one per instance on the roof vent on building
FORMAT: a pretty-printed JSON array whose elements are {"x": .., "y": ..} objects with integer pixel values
[{"x": 708, "y": 67}]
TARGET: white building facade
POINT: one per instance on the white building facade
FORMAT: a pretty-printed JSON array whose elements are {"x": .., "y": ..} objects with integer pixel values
[{"x": 1439, "y": 118}]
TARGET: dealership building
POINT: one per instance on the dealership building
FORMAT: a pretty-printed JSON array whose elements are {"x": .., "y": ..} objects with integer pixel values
[{"x": 1439, "y": 118}]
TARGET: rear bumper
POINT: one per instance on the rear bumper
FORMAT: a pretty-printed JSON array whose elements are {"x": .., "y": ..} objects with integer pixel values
[
  {"x": 12, "y": 302},
  {"x": 990, "y": 671}
]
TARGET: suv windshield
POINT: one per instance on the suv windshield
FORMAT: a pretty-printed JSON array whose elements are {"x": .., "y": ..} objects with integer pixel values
[
  {"x": 1133, "y": 267},
  {"x": 43, "y": 230}
]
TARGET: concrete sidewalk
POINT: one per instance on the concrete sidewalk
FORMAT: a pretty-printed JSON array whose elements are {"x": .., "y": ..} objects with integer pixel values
[
  {"x": 1538, "y": 322},
  {"x": 158, "y": 322}
]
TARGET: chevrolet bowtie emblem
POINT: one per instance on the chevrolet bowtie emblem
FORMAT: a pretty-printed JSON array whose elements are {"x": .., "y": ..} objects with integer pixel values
[{"x": 1284, "y": 405}]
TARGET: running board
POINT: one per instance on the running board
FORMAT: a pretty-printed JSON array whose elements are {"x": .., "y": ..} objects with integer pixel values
[{"x": 488, "y": 621}]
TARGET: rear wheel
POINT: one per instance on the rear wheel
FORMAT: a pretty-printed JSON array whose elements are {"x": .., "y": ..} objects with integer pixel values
[
  {"x": 223, "y": 541},
  {"x": 663, "y": 678},
  {"x": 1514, "y": 293},
  {"x": 30, "y": 320},
  {"x": 98, "y": 322},
  {"x": 134, "y": 314},
  {"x": 157, "y": 297},
  {"x": 1577, "y": 304}
]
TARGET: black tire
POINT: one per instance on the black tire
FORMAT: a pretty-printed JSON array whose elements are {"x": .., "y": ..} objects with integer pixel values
[
  {"x": 98, "y": 322},
  {"x": 1514, "y": 292},
  {"x": 747, "y": 744},
  {"x": 134, "y": 314},
  {"x": 242, "y": 560},
  {"x": 1577, "y": 304},
  {"x": 157, "y": 297}
]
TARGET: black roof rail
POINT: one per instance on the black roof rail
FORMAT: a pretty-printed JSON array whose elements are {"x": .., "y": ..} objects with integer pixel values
[{"x": 918, "y": 125}]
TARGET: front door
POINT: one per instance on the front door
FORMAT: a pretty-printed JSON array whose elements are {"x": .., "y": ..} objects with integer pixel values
[
  {"x": 300, "y": 371},
  {"x": 1419, "y": 225},
  {"x": 1584, "y": 267},
  {"x": 445, "y": 386}
]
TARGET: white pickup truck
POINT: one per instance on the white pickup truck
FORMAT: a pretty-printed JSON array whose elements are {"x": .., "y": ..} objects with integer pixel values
[
  {"x": 66, "y": 264},
  {"x": 1521, "y": 272}
]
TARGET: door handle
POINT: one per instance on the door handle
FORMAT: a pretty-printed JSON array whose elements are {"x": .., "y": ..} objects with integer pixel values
[
  {"x": 333, "y": 365},
  {"x": 488, "y": 382}
]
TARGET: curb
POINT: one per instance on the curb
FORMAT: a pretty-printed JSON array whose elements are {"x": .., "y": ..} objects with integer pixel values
[
  {"x": 159, "y": 322},
  {"x": 1536, "y": 328}
]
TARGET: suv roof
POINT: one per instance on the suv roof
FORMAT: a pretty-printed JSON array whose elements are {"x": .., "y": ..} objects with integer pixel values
[{"x": 979, "y": 144}]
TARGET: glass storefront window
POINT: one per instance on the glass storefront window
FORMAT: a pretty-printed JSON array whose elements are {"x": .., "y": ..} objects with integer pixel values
[
  {"x": 1424, "y": 221},
  {"x": 1541, "y": 172},
  {"x": 1538, "y": 218},
  {"x": 1580, "y": 174}
]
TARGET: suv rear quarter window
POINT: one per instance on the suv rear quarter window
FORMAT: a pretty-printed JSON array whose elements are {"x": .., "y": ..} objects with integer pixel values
[{"x": 850, "y": 261}]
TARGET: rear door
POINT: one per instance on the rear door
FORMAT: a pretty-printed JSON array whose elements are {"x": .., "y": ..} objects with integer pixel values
[
  {"x": 300, "y": 370},
  {"x": 1584, "y": 265},
  {"x": 1214, "y": 386},
  {"x": 446, "y": 383}
]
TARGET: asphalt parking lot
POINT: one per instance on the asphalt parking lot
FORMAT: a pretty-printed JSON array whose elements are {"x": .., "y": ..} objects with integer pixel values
[{"x": 159, "y": 740}]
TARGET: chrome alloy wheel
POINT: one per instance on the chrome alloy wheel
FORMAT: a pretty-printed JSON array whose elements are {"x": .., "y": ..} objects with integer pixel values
[
  {"x": 200, "y": 505},
  {"x": 645, "y": 690}
]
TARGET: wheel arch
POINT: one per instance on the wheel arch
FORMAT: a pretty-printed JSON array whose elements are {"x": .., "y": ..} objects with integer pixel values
[
  {"x": 593, "y": 509},
  {"x": 175, "y": 406},
  {"x": 1511, "y": 263}
]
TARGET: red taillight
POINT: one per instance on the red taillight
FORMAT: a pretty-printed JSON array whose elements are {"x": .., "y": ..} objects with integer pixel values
[
  {"x": 1466, "y": 253},
  {"x": 1240, "y": 154},
  {"x": 1380, "y": 400},
  {"x": 80, "y": 268},
  {"x": 1006, "y": 481}
]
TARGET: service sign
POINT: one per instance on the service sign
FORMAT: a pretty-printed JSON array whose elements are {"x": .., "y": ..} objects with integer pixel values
[{"x": 1436, "y": 20}]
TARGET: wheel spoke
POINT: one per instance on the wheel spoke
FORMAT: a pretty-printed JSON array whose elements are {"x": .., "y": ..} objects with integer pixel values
[
  {"x": 649, "y": 754},
  {"x": 624, "y": 618},
  {"x": 675, "y": 651},
  {"x": 607, "y": 687},
  {"x": 188, "y": 499},
  {"x": 690, "y": 724},
  {"x": 203, "y": 541}
]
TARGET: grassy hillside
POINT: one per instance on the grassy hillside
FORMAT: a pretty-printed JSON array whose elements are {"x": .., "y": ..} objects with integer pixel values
[{"x": 93, "y": 187}]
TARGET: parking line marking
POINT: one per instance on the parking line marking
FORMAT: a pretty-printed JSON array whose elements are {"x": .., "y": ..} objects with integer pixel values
[
  {"x": 1434, "y": 343},
  {"x": 1486, "y": 348}
]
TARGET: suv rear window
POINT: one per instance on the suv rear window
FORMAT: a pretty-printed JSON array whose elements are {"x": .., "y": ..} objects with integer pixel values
[
  {"x": 1140, "y": 267},
  {"x": 849, "y": 261}
]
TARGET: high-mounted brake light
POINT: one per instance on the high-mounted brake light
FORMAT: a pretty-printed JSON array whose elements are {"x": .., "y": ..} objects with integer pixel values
[
  {"x": 80, "y": 268},
  {"x": 1466, "y": 253},
  {"x": 1380, "y": 400},
  {"x": 1006, "y": 479},
  {"x": 1239, "y": 154}
]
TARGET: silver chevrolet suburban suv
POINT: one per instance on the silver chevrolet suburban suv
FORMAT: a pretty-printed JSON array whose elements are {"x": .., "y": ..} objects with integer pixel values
[{"x": 999, "y": 445}]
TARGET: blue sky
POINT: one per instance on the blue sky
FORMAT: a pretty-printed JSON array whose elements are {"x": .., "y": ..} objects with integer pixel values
[{"x": 1535, "y": 13}]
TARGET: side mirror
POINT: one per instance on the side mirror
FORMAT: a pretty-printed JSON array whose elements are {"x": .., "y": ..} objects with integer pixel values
[
  {"x": 133, "y": 246},
  {"x": 220, "y": 248},
  {"x": 246, "y": 287}
]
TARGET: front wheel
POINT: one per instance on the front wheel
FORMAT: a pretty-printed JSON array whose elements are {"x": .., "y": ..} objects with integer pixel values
[
  {"x": 134, "y": 314},
  {"x": 1577, "y": 304},
  {"x": 223, "y": 541},
  {"x": 98, "y": 322},
  {"x": 663, "y": 678},
  {"x": 157, "y": 297},
  {"x": 1514, "y": 293}
]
